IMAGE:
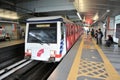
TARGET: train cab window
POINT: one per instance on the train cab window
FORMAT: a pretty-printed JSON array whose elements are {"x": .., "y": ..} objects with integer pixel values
[{"x": 42, "y": 33}]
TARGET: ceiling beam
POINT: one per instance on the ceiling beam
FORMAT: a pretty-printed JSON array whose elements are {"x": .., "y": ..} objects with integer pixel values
[{"x": 14, "y": 5}]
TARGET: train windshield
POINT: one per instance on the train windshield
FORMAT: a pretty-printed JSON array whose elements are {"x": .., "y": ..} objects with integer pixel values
[{"x": 42, "y": 33}]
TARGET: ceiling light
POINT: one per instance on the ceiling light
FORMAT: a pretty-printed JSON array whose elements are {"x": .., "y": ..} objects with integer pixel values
[
  {"x": 79, "y": 16},
  {"x": 96, "y": 16},
  {"x": 8, "y": 14},
  {"x": 79, "y": 5},
  {"x": 108, "y": 10},
  {"x": 84, "y": 19}
]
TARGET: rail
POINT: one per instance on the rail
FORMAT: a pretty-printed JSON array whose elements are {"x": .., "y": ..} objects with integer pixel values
[{"x": 11, "y": 69}]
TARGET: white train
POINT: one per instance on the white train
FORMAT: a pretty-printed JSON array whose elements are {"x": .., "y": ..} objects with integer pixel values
[{"x": 49, "y": 38}]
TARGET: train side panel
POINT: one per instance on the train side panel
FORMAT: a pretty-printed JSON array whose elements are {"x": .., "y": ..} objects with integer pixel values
[{"x": 73, "y": 32}]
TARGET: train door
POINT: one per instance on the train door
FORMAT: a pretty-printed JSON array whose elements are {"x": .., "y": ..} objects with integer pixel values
[{"x": 63, "y": 39}]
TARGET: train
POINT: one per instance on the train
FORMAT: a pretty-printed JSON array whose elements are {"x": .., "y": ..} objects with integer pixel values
[{"x": 50, "y": 38}]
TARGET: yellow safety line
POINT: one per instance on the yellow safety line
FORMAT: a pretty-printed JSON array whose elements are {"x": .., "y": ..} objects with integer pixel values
[
  {"x": 113, "y": 74},
  {"x": 74, "y": 69}
]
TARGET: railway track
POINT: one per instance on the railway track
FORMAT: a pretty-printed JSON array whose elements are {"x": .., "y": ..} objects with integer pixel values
[
  {"x": 9, "y": 62},
  {"x": 11, "y": 69},
  {"x": 27, "y": 70},
  {"x": 41, "y": 72}
]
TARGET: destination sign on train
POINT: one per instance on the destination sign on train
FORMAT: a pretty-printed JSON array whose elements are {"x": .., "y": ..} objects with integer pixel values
[{"x": 43, "y": 25}]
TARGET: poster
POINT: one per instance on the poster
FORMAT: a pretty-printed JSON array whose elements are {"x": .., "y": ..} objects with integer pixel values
[{"x": 118, "y": 30}]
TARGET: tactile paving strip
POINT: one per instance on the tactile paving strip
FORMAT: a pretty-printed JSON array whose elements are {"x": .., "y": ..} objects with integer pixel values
[
  {"x": 92, "y": 69},
  {"x": 89, "y": 47},
  {"x": 88, "y": 43}
]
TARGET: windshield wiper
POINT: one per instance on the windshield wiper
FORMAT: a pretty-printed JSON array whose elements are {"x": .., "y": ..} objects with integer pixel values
[
  {"x": 33, "y": 35},
  {"x": 47, "y": 43}
]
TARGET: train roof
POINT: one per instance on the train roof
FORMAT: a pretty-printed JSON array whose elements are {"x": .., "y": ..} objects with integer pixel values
[{"x": 48, "y": 19}]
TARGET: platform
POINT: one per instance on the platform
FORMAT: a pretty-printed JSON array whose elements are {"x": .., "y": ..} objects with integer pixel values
[
  {"x": 10, "y": 43},
  {"x": 88, "y": 61}
]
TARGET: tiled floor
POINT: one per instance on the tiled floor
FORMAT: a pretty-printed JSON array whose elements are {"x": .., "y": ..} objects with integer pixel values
[{"x": 113, "y": 54}]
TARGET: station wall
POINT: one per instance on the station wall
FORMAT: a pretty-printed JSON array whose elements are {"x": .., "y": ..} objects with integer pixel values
[
  {"x": 13, "y": 29},
  {"x": 117, "y": 20}
]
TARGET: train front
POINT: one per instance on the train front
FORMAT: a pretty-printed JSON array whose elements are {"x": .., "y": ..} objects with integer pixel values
[{"x": 41, "y": 42}]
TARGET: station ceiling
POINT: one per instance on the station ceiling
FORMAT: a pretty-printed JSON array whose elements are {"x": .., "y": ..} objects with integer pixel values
[{"x": 86, "y": 8}]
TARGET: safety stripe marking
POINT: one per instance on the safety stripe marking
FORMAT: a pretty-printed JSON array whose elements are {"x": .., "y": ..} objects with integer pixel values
[
  {"x": 74, "y": 69},
  {"x": 113, "y": 74}
]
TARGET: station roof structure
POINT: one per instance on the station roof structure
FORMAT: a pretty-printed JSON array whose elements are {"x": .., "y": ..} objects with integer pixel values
[{"x": 89, "y": 10}]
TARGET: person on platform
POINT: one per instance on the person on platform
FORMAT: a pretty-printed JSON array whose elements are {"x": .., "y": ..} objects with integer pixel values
[
  {"x": 96, "y": 36},
  {"x": 7, "y": 36},
  {"x": 100, "y": 35},
  {"x": 109, "y": 41},
  {"x": 92, "y": 33}
]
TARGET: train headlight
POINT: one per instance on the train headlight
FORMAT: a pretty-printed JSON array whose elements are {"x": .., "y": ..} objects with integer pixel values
[
  {"x": 28, "y": 52},
  {"x": 52, "y": 53}
]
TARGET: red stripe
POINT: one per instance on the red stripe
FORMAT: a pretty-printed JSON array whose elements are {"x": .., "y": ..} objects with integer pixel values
[
  {"x": 58, "y": 55},
  {"x": 40, "y": 52}
]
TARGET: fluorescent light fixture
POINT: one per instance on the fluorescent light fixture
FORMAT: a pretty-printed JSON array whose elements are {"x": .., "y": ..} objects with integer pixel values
[
  {"x": 108, "y": 10},
  {"x": 81, "y": 5},
  {"x": 8, "y": 14},
  {"x": 96, "y": 16},
  {"x": 94, "y": 21},
  {"x": 84, "y": 19},
  {"x": 79, "y": 16}
]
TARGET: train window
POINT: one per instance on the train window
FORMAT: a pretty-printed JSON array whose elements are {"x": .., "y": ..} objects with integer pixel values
[
  {"x": 62, "y": 30},
  {"x": 42, "y": 34},
  {"x": 71, "y": 29},
  {"x": 67, "y": 28}
]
